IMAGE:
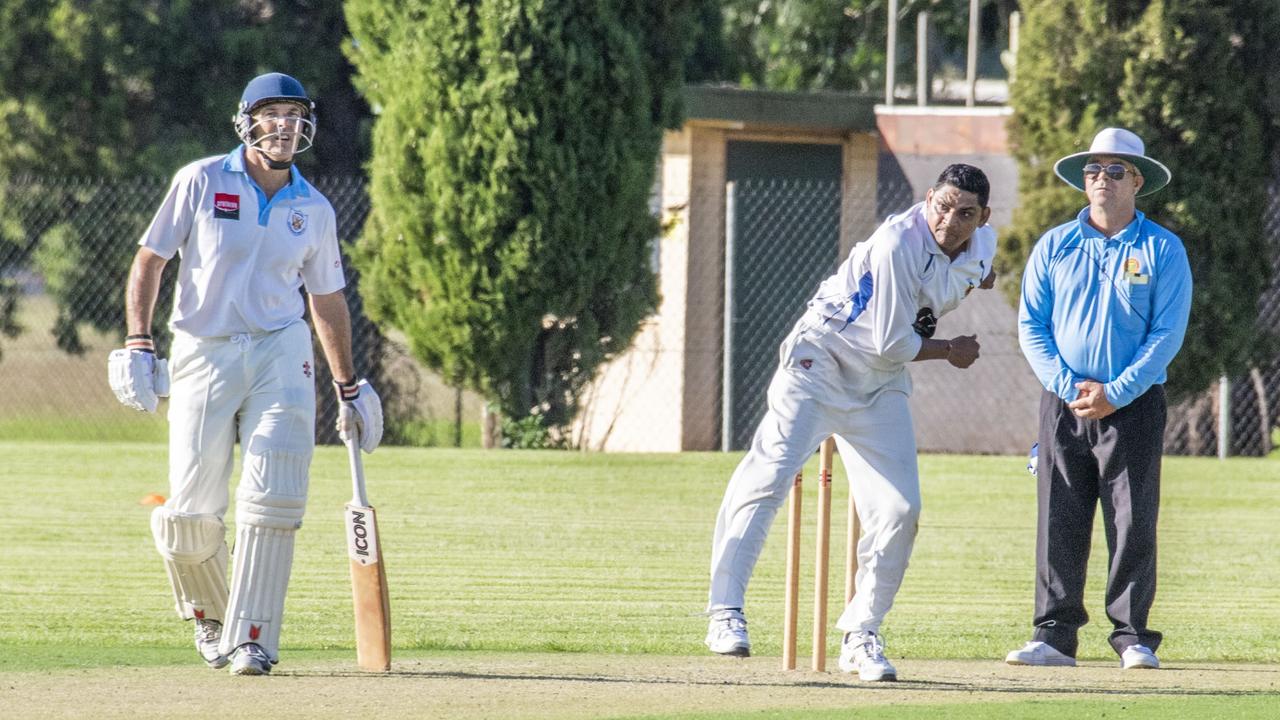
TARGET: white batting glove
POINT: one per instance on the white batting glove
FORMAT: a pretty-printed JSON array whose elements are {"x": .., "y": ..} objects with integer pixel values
[
  {"x": 359, "y": 412},
  {"x": 136, "y": 377}
]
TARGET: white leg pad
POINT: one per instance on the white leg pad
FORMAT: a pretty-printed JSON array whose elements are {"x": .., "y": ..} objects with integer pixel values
[
  {"x": 270, "y": 503},
  {"x": 194, "y": 548}
]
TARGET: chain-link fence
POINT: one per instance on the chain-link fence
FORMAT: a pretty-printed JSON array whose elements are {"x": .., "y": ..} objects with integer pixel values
[
  {"x": 65, "y": 247},
  {"x": 782, "y": 239},
  {"x": 65, "y": 250},
  {"x": 1253, "y": 399}
]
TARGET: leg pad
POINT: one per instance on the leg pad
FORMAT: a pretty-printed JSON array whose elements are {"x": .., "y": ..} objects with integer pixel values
[{"x": 194, "y": 549}]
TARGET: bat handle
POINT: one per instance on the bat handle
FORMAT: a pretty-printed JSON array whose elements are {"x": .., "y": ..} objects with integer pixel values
[{"x": 358, "y": 496}]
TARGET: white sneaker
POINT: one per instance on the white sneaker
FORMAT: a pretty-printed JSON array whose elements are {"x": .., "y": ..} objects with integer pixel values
[
  {"x": 250, "y": 659},
  {"x": 727, "y": 634},
  {"x": 208, "y": 635},
  {"x": 863, "y": 653},
  {"x": 1039, "y": 653},
  {"x": 1139, "y": 657}
]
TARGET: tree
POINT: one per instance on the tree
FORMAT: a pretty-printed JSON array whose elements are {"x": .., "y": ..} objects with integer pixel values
[
  {"x": 1196, "y": 80},
  {"x": 118, "y": 90},
  {"x": 514, "y": 152}
]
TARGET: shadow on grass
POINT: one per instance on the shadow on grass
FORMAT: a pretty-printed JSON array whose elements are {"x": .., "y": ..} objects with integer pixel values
[{"x": 922, "y": 685}]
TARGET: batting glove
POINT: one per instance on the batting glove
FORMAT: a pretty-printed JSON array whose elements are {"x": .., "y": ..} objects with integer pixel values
[
  {"x": 137, "y": 378},
  {"x": 359, "y": 414}
]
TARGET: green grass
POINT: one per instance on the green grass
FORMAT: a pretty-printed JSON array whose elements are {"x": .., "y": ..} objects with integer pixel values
[
  {"x": 593, "y": 553},
  {"x": 1203, "y": 708},
  {"x": 432, "y": 433},
  {"x": 608, "y": 553},
  {"x": 118, "y": 425}
]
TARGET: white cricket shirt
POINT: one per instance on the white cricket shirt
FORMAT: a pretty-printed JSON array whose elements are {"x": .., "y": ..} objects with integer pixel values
[
  {"x": 873, "y": 298},
  {"x": 243, "y": 258}
]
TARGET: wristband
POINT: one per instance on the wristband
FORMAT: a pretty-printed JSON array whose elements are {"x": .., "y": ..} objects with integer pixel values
[
  {"x": 141, "y": 343},
  {"x": 347, "y": 391}
]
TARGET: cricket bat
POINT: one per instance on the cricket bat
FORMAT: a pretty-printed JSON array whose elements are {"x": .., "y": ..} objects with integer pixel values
[{"x": 368, "y": 573}]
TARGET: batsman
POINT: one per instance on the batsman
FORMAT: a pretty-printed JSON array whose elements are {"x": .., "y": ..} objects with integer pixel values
[
  {"x": 843, "y": 372},
  {"x": 251, "y": 233}
]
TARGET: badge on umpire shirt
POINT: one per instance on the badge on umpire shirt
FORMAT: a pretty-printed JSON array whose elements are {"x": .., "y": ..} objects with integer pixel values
[{"x": 1133, "y": 272}]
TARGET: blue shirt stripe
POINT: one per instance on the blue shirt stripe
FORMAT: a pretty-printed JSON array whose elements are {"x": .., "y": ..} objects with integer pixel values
[{"x": 858, "y": 301}]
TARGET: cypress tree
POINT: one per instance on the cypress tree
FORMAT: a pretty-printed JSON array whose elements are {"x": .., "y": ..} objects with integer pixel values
[{"x": 514, "y": 153}]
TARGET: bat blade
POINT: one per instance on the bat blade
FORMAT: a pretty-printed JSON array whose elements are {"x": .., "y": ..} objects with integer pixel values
[{"x": 369, "y": 589}]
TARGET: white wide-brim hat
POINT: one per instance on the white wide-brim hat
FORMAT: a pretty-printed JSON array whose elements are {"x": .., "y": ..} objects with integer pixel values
[{"x": 1115, "y": 142}]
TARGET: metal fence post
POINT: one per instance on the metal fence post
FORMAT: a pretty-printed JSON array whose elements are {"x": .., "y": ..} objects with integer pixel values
[
  {"x": 1224, "y": 417},
  {"x": 971, "y": 61},
  {"x": 891, "y": 53},
  {"x": 726, "y": 370},
  {"x": 922, "y": 59}
]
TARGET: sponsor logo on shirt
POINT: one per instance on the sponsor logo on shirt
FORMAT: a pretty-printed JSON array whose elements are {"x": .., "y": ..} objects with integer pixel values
[
  {"x": 226, "y": 206},
  {"x": 297, "y": 222}
]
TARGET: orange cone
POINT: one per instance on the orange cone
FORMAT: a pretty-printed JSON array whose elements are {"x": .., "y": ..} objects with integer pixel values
[{"x": 152, "y": 499}]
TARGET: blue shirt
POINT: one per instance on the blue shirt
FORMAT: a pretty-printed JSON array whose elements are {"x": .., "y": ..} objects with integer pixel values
[{"x": 1110, "y": 309}]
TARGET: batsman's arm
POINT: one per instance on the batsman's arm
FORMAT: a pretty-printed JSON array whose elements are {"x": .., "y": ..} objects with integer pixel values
[
  {"x": 333, "y": 326},
  {"x": 142, "y": 290}
]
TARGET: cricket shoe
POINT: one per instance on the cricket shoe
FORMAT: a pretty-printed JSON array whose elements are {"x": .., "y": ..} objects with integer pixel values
[
  {"x": 863, "y": 653},
  {"x": 1139, "y": 657},
  {"x": 727, "y": 634},
  {"x": 250, "y": 659},
  {"x": 1039, "y": 653},
  {"x": 208, "y": 635}
]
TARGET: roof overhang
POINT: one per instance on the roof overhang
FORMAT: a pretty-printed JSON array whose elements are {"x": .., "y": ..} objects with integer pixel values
[{"x": 746, "y": 109}]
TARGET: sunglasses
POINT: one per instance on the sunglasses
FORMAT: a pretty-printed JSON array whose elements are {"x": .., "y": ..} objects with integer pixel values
[{"x": 1115, "y": 171}]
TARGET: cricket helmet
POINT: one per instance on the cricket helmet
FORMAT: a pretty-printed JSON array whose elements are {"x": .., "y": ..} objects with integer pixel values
[{"x": 274, "y": 88}]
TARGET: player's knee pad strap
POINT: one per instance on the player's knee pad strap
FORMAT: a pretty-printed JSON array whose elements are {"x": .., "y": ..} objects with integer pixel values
[{"x": 194, "y": 549}]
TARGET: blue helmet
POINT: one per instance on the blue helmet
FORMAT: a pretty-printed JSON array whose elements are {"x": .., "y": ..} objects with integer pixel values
[{"x": 271, "y": 88}]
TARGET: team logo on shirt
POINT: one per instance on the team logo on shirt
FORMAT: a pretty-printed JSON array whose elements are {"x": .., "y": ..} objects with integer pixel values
[
  {"x": 226, "y": 206},
  {"x": 297, "y": 221}
]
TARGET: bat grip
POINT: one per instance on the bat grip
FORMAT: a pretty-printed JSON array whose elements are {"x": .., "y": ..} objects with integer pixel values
[{"x": 358, "y": 496}]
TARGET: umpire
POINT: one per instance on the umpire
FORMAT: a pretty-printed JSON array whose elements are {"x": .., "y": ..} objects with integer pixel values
[{"x": 1105, "y": 300}]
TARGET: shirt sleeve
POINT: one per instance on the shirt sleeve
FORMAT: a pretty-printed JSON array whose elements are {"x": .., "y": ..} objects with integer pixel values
[
  {"x": 1170, "y": 310},
  {"x": 172, "y": 222},
  {"x": 322, "y": 272},
  {"x": 896, "y": 279},
  {"x": 1035, "y": 326}
]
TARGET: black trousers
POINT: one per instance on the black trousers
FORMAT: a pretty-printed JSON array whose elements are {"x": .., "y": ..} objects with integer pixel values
[{"x": 1115, "y": 460}]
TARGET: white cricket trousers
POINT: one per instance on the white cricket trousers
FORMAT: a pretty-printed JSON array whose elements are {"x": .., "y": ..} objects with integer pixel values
[
  {"x": 259, "y": 388},
  {"x": 877, "y": 446}
]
